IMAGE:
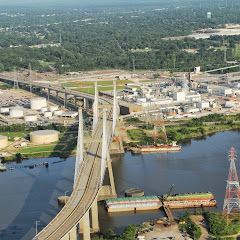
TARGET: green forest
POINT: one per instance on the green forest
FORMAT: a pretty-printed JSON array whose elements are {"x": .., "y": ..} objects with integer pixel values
[{"x": 117, "y": 37}]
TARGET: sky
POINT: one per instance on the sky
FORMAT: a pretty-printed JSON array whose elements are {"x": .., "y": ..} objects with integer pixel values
[{"x": 80, "y": 3}]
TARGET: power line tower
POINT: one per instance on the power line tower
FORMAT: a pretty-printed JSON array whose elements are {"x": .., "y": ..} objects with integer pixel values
[
  {"x": 159, "y": 129},
  {"x": 232, "y": 196}
]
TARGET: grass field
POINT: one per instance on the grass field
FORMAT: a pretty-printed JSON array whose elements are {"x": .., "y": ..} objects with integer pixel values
[
  {"x": 236, "y": 52},
  {"x": 100, "y": 89},
  {"x": 88, "y": 83},
  {"x": 141, "y": 50},
  {"x": 11, "y": 135}
]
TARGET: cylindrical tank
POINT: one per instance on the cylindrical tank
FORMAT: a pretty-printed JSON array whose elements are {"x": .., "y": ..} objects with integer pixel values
[
  {"x": 44, "y": 109},
  {"x": 44, "y": 136},
  {"x": 16, "y": 111},
  {"x": 53, "y": 108},
  {"x": 38, "y": 103},
  {"x": 3, "y": 141},
  {"x": 30, "y": 118},
  {"x": 4, "y": 110},
  {"x": 48, "y": 114},
  {"x": 57, "y": 113}
]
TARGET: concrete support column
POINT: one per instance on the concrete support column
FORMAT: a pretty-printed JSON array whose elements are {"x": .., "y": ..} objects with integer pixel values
[
  {"x": 94, "y": 213},
  {"x": 65, "y": 100},
  {"x": 57, "y": 97},
  {"x": 86, "y": 226},
  {"x": 86, "y": 104},
  {"x": 66, "y": 237},
  {"x": 48, "y": 94},
  {"x": 75, "y": 101},
  {"x": 80, "y": 227},
  {"x": 73, "y": 234},
  {"x": 111, "y": 178}
]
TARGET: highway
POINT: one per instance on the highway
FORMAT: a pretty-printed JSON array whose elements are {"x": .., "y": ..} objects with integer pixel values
[{"x": 89, "y": 180}]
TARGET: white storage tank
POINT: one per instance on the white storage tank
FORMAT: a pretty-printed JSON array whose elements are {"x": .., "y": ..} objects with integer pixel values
[
  {"x": 57, "y": 113},
  {"x": 30, "y": 118},
  {"x": 47, "y": 114},
  {"x": 3, "y": 141},
  {"x": 16, "y": 112},
  {"x": 44, "y": 109},
  {"x": 38, "y": 103},
  {"x": 44, "y": 136},
  {"x": 4, "y": 110},
  {"x": 53, "y": 108}
]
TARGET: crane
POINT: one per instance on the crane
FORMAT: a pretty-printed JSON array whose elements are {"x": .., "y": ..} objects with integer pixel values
[{"x": 166, "y": 195}]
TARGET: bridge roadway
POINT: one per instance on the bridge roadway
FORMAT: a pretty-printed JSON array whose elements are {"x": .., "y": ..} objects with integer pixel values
[
  {"x": 88, "y": 183},
  {"x": 59, "y": 89}
]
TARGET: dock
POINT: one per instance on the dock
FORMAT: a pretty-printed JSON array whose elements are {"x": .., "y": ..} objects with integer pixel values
[{"x": 168, "y": 213}]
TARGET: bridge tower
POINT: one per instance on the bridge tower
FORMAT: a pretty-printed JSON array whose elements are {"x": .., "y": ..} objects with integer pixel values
[
  {"x": 232, "y": 196},
  {"x": 95, "y": 108},
  {"x": 79, "y": 155}
]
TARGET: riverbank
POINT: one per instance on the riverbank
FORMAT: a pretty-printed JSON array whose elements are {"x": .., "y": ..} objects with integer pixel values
[{"x": 190, "y": 129}]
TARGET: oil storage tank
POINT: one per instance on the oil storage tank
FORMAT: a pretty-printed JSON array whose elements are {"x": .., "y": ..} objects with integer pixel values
[
  {"x": 3, "y": 141},
  {"x": 30, "y": 118},
  {"x": 4, "y": 110},
  {"x": 38, "y": 103},
  {"x": 44, "y": 136},
  {"x": 15, "y": 112}
]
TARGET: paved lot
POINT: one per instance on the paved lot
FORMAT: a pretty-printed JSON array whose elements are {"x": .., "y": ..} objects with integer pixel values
[{"x": 161, "y": 231}]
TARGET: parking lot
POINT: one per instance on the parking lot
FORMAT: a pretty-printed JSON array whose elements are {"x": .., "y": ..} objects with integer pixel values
[{"x": 158, "y": 229}]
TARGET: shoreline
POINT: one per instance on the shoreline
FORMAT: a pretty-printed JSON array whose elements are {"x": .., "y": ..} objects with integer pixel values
[{"x": 15, "y": 158}]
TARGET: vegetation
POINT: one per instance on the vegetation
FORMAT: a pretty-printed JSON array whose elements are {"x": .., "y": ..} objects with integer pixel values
[
  {"x": 128, "y": 234},
  {"x": 5, "y": 86},
  {"x": 189, "y": 226},
  {"x": 185, "y": 129},
  {"x": 218, "y": 225},
  {"x": 127, "y": 38}
]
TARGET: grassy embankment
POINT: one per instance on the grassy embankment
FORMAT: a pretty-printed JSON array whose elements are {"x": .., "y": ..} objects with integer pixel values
[
  {"x": 184, "y": 129},
  {"x": 66, "y": 146},
  {"x": 217, "y": 225},
  {"x": 89, "y": 85}
]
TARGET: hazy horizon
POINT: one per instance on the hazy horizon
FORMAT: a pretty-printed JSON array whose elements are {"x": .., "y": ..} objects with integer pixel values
[{"x": 93, "y": 3}]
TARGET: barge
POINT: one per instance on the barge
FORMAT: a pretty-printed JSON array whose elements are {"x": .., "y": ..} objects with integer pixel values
[
  {"x": 189, "y": 196},
  {"x": 133, "y": 204},
  {"x": 188, "y": 200},
  {"x": 184, "y": 200},
  {"x": 160, "y": 148}
]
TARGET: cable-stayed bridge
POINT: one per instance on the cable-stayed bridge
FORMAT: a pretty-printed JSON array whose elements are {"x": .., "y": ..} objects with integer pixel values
[{"x": 90, "y": 168}]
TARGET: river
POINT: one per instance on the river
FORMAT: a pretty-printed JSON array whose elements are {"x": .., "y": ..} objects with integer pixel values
[{"x": 30, "y": 195}]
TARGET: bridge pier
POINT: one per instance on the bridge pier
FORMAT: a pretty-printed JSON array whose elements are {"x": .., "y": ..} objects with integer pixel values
[
  {"x": 73, "y": 234},
  {"x": 84, "y": 226},
  {"x": 65, "y": 100},
  {"x": 57, "y": 97},
  {"x": 75, "y": 101},
  {"x": 94, "y": 214},
  {"x": 48, "y": 94}
]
